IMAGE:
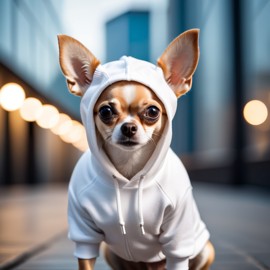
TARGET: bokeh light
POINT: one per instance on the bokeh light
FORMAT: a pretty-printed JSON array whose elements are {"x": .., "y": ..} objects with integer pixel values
[
  {"x": 63, "y": 125},
  {"x": 30, "y": 109},
  {"x": 255, "y": 112},
  {"x": 48, "y": 116},
  {"x": 12, "y": 96},
  {"x": 75, "y": 134},
  {"x": 82, "y": 144}
]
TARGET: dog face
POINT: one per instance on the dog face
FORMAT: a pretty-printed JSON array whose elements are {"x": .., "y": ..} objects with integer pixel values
[{"x": 129, "y": 115}]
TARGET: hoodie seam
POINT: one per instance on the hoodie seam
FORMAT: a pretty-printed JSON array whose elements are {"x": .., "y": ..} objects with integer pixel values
[
  {"x": 185, "y": 194},
  {"x": 87, "y": 186},
  {"x": 102, "y": 70},
  {"x": 165, "y": 194},
  {"x": 77, "y": 198},
  {"x": 180, "y": 202},
  {"x": 170, "y": 200}
]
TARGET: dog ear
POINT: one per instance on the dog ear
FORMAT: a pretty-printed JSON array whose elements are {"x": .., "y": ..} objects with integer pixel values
[
  {"x": 179, "y": 61},
  {"x": 77, "y": 63}
]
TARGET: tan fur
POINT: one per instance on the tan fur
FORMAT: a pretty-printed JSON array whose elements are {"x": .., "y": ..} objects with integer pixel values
[
  {"x": 86, "y": 264},
  {"x": 115, "y": 94},
  {"x": 128, "y": 163},
  {"x": 116, "y": 263},
  {"x": 211, "y": 257},
  {"x": 179, "y": 61},
  {"x": 77, "y": 63},
  {"x": 204, "y": 259},
  {"x": 200, "y": 262}
]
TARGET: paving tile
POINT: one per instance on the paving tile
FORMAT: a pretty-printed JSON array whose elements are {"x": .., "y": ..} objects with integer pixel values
[
  {"x": 262, "y": 257},
  {"x": 58, "y": 256},
  {"x": 229, "y": 257},
  {"x": 4, "y": 257},
  {"x": 29, "y": 219},
  {"x": 238, "y": 220},
  {"x": 234, "y": 266}
]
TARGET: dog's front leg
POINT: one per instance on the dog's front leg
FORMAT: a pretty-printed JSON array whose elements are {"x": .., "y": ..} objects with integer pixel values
[{"x": 86, "y": 264}]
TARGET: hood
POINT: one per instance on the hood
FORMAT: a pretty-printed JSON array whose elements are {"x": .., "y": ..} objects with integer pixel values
[{"x": 128, "y": 69}]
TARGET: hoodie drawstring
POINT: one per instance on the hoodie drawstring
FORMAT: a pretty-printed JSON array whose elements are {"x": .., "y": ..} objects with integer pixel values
[
  {"x": 140, "y": 191},
  {"x": 119, "y": 205}
]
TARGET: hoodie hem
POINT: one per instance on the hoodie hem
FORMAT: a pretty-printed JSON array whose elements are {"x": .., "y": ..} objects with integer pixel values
[
  {"x": 86, "y": 251},
  {"x": 176, "y": 264}
]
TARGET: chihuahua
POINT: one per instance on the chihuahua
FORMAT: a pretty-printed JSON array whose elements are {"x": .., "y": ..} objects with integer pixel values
[{"x": 130, "y": 190}]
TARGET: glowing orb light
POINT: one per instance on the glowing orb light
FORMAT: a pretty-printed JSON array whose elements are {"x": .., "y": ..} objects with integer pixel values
[
  {"x": 82, "y": 144},
  {"x": 48, "y": 116},
  {"x": 30, "y": 109},
  {"x": 12, "y": 96},
  {"x": 75, "y": 134},
  {"x": 63, "y": 126},
  {"x": 255, "y": 112}
]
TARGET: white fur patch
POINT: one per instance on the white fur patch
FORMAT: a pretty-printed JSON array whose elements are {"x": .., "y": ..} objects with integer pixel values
[{"x": 129, "y": 93}]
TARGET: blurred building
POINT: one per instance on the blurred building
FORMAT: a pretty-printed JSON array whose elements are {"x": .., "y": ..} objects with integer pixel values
[
  {"x": 129, "y": 33},
  {"x": 211, "y": 133},
  {"x": 233, "y": 70},
  {"x": 29, "y": 58}
]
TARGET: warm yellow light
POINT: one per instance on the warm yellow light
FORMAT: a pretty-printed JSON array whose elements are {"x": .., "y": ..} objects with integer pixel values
[
  {"x": 12, "y": 96},
  {"x": 255, "y": 112},
  {"x": 48, "y": 116},
  {"x": 82, "y": 144},
  {"x": 75, "y": 133},
  {"x": 30, "y": 109},
  {"x": 63, "y": 126}
]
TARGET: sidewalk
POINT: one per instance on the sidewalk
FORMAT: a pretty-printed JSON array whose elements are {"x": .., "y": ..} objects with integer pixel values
[{"x": 33, "y": 228}]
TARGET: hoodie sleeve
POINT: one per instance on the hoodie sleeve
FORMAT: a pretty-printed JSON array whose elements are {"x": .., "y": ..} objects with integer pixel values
[
  {"x": 177, "y": 237},
  {"x": 82, "y": 230}
]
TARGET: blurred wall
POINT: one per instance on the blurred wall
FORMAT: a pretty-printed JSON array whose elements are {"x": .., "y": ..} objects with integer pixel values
[
  {"x": 209, "y": 126},
  {"x": 205, "y": 113}
]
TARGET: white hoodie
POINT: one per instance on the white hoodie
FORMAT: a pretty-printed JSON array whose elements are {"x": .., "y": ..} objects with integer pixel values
[{"x": 148, "y": 218}]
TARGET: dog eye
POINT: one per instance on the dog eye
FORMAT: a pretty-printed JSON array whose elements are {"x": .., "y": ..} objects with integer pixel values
[
  {"x": 152, "y": 113},
  {"x": 106, "y": 113}
]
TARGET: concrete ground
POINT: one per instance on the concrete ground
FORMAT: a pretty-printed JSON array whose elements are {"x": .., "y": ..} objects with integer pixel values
[{"x": 33, "y": 228}]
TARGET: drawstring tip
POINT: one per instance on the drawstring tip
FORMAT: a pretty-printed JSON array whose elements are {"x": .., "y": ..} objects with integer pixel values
[
  {"x": 142, "y": 229},
  {"x": 123, "y": 229}
]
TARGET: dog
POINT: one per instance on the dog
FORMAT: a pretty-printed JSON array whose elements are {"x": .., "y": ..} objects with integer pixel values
[{"x": 130, "y": 190}]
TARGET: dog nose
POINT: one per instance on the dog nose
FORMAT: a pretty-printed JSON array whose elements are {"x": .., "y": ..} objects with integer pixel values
[{"x": 129, "y": 129}]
